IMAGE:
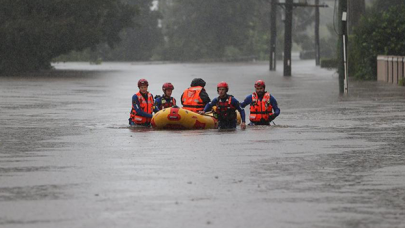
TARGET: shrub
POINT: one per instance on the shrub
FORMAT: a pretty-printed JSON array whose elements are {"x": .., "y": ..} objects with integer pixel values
[
  {"x": 379, "y": 33},
  {"x": 401, "y": 82},
  {"x": 329, "y": 63}
]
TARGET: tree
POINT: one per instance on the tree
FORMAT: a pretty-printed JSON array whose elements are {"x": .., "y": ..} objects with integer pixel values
[
  {"x": 356, "y": 9},
  {"x": 379, "y": 33},
  {"x": 214, "y": 29},
  {"x": 34, "y": 32},
  {"x": 303, "y": 17},
  {"x": 139, "y": 42},
  {"x": 198, "y": 29},
  {"x": 383, "y": 5}
]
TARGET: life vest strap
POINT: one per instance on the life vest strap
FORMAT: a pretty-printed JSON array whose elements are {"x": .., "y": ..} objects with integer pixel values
[
  {"x": 265, "y": 112},
  {"x": 194, "y": 106}
]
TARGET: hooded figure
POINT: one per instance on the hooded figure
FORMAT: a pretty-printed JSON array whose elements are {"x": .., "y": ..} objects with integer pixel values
[
  {"x": 195, "y": 98},
  {"x": 198, "y": 82}
]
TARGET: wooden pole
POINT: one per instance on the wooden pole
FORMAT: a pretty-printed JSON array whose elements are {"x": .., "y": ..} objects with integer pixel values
[
  {"x": 288, "y": 37},
  {"x": 317, "y": 44},
  {"x": 273, "y": 35}
]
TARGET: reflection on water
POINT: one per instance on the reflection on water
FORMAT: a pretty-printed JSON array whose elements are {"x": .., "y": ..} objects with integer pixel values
[
  {"x": 140, "y": 129},
  {"x": 36, "y": 192},
  {"x": 69, "y": 158}
]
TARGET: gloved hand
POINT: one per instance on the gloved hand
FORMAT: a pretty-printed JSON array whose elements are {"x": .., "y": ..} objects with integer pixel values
[{"x": 272, "y": 117}]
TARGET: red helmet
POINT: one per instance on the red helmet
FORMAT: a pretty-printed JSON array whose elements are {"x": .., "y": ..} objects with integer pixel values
[
  {"x": 143, "y": 82},
  {"x": 260, "y": 83},
  {"x": 167, "y": 85},
  {"x": 223, "y": 85}
]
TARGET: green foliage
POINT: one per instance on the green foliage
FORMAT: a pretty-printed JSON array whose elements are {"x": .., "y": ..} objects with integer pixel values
[
  {"x": 401, "y": 82},
  {"x": 384, "y": 5},
  {"x": 231, "y": 52},
  {"x": 79, "y": 56},
  {"x": 379, "y": 33},
  {"x": 138, "y": 43},
  {"x": 303, "y": 17},
  {"x": 34, "y": 32},
  {"x": 97, "y": 61},
  {"x": 142, "y": 42},
  {"x": 218, "y": 29},
  {"x": 328, "y": 47},
  {"x": 202, "y": 29},
  {"x": 329, "y": 63},
  {"x": 206, "y": 29}
]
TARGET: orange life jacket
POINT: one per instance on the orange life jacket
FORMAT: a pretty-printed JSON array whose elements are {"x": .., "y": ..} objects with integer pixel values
[
  {"x": 146, "y": 106},
  {"x": 192, "y": 100},
  {"x": 260, "y": 109}
]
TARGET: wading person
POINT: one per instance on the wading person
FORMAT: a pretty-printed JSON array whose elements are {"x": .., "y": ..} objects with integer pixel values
[
  {"x": 142, "y": 105},
  {"x": 166, "y": 100},
  {"x": 195, "y": 98},
  {"x": 226, "y": 108},
  {"x": 262, "y": 105}
]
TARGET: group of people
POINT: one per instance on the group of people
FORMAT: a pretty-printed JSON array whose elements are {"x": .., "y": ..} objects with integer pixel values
[{"x": 263, "y": 106}]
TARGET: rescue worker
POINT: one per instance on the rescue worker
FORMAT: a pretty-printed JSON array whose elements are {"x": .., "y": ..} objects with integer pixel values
[
  {"x": 262, "y": 105},
  {"x": 226, "y": 108},
  {"x": 142, "y": 105},
  {"x": 166, "y": 100},
  {"x": 195, "y": 98}
]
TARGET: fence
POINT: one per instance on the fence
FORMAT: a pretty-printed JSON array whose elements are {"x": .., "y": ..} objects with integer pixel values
[{"x": 391, "y": 69}]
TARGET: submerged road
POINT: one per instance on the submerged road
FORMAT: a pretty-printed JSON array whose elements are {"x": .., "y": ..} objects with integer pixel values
[{"x": 68, "y": 158}]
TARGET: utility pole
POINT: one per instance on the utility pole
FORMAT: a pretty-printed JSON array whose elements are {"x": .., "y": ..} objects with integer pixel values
[
  {"x": 273, "y": 38},
  {"x": 288, "y": 37},
  {"x": 288, "y": 7},
  {"x": 317, "y": 44},
  {"x": 343, "y": 79}
]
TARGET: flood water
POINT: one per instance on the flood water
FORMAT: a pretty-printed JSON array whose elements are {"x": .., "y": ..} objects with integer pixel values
[{"x": 69, "y": 159}]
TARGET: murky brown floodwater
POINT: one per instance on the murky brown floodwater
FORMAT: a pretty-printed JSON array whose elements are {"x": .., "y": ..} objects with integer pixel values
[{"x": 68, "y": 158}]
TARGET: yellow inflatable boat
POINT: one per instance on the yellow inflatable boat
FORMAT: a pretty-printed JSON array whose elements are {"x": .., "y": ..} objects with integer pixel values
[{"x": 182, "y": 119}]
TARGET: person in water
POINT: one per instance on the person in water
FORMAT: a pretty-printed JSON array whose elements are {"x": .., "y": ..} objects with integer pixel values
[
  {"x": 166, "y": 100},
  {"x": 262, "y": 105},
  {"x": 195, "y": 98},
  {"x": 142, "y": 105},
  {"x": 226, "y": 108}
]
